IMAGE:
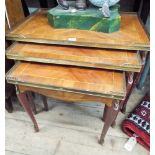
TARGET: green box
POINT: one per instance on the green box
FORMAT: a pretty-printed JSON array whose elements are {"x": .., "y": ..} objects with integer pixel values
[{"x": 89, "y": 19}]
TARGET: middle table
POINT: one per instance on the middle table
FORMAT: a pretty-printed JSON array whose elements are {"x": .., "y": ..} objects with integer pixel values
[{"x": 77, "y": 56}]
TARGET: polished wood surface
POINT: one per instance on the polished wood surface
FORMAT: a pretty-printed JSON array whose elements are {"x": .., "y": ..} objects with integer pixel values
[
  {"x": 37, "y": 29},
  {"x": 14, "y": 11},
  {"x": 77, "y": 56},
  {"x": 66, "y": 96},
  {"x": 94, "y": 82}
]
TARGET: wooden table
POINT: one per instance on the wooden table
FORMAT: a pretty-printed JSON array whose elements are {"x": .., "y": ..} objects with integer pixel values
[
  {"x": 77, "y": 56},
  {"x": 70, "y": 84},
  {"x": 131, "y": 35},
  {"x": 78, "y": 65}
]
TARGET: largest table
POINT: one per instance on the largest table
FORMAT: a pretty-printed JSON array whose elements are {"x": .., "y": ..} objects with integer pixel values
[{"x": 78, "y": 83}]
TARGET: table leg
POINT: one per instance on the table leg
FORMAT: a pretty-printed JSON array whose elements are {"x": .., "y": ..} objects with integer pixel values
[
  {"x": 134, "y": 80},
  {"x": 32, "y": 103},
  {"x": 130, "y": 83},
  {"x": 8, "y": 105},
  {"x": 145, "y": 73},
  {"x": 104, "y": 116},
  {"x": 24, "y": 102},
  {"x": 109, "y": 118},
  {"x": 44, "y": 99}
]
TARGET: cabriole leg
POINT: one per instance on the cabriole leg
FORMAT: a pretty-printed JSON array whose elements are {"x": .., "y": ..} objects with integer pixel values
[
  {"x": 24, "y": 102},
  {"x": 44, "y": 99},
  {"x": 130, "y": 77},
  {"x": 134, "y": 80},
  {"x": 31, "y": 101},
  {"x": 109, "y": 118},
  {"x": 8, "y": 105},
  {"x": 105, "y": 115}
]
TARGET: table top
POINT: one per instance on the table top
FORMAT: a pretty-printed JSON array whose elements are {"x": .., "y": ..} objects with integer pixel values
[
  {"x": 36, "y": 28},
  {"x": 95, "y": 82},
  {"x": 76, "y": 56}
]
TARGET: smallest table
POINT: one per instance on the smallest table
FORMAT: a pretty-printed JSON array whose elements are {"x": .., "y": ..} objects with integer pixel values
[{"x": 70, "y": 84}]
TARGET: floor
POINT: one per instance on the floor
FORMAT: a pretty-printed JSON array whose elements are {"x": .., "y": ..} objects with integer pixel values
[{"x": 67, "y": 129}]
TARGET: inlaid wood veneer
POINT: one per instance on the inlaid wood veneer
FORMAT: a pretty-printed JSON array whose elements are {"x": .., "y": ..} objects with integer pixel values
[
  {"x": 77, "y": 56},
  {"x": 95, "y": 82},
  {"x": 36, "y": 28}
]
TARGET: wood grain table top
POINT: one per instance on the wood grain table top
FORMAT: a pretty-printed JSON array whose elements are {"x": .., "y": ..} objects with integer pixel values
[
  {"x": 36, "y": 28},
  {"x": 96, "y": 82},
  {"x": 76, "y": 56}
]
